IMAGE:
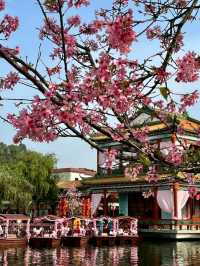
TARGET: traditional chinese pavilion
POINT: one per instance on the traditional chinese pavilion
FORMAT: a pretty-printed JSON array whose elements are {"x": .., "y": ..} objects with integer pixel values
[
  {"x": 164, "y": 208},
  {"x": 166, "y": 204}
]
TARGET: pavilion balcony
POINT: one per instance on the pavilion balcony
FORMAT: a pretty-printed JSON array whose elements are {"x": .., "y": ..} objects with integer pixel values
[{"x": 170, "y": 229}]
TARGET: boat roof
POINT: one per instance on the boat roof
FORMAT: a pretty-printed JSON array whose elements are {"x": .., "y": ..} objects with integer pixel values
[
  {"x": 14, "y": 217},
  {"x": 47, "y": 218}
]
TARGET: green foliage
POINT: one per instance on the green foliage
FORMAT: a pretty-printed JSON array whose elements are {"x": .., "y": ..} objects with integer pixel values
[
  {"x": 144, "y": 160},
  {"x": 14, "y": 189},
  {"x": 26, "y": 176},
  {"x": 192, "y": 156}
]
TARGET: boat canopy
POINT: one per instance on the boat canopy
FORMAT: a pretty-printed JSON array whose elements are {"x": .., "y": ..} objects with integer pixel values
[{"x": 14, "y": 217}]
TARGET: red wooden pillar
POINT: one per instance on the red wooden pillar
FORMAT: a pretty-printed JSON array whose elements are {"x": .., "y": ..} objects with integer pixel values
[
  {"x": 105, "y": 207},
  {"x": 155, "y": 206},
  {"x": 175, "y": 189}
]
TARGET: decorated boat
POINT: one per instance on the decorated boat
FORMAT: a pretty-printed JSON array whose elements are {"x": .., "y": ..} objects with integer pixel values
[
  {"x": 104, "y": 231},
  {"x": 46, "y": 232},
  {"x": 75, "y": 232},
  {"x": 14, "y": 230},
  {"x": 127, "y": 230}
]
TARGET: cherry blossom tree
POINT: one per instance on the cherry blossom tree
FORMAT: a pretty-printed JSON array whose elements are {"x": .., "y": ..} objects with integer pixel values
[{"x": 94, "y": 82}]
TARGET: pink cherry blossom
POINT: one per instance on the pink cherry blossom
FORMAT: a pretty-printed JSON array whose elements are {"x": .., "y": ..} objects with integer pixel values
[
  {"x": 190, "y": 178},
  {"x": 53, "y": 5},
  {"x": 2, "y": 5},
  {"x": 175, "y": 156},
  {"x": 197, "y": 197},
  {"x": 188, "y": 68},
  {"x": 54, "y": 70},
  {"x": 12, "y": 51},
  {"x": 110, "y": 156},
  {"x": 152, "y": 175},
  {"x": 181, "y": 3},
  {"x": 153, "y": 33},
  {"x": 133, "y": 171},
  {"x": 161, "y": 74},
  {"x": 93, "y": 82},
  {"x": 192, "y": 190},
  {"x": 121, "y": 2},
  {"x": 150, "y": 8},
  {"x": 8, "y": 25},
  {"x": 140, "y": 134},
  {"x": 92, "y": 27},
  {"x": 78, "y": 3},
  {"x": 121, "y": 34},
  {"x": 30, "y": 126},
  {"x": 10, "y": 81},
  {"x": 74, "y": 21},
  {"x": 188, "y": 100}
]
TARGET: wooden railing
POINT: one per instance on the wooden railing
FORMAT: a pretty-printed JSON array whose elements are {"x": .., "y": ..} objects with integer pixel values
[{"x": 169, "y": 225}]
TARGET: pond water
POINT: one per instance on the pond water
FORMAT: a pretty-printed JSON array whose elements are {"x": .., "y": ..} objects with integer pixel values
[{"x": 145, "y": 254}]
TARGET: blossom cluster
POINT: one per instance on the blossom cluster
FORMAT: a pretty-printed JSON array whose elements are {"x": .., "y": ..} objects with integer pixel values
[
  {"x": 152, "y": 175},
  {"x": 133, "y": 171},
  {"x": 140, "y": 134},
  {"x": 161, "y": 75},
  {"x": 121, "y": 34},
  {"x": 93, "y": 83},
  {"x": 188, "y": 68},
  {"x": 175, "y": 155},
  {"x": 54, "y": 70},
  {"x": 110, "y": 157},
  {"x": 2, "y": 5},
  {"x": 9, "y": 81},
  {"x": 78, "y": 3},
  {"x": 153, "y": 32},
  {"x": 188, "y": 100},
  {"x": 8, "y": 25},
  {"x": 192, "y": 190}
]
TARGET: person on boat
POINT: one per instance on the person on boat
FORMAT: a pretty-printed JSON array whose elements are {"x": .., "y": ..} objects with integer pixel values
[
  {"x": 134, "y": 229},
  {"x": 53, "y": 234},
  {"x": 112, "y": 233},
  {"x": 101, "y": 226},
  {"x": 38, "y": 231},
  {"x": 77, "y": 225},
  {"x": 110, "y": 225},
  {"x": 65, "y": 230},
  {"x": 82, "y": 231},
  {"x": 120, "y": 231},
  {"x": 106, "y": 227}
]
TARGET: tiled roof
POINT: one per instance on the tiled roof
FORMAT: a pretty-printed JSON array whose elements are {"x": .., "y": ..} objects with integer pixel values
[
  {"x": 189, "y": 125},
  {"x": 84, "y": 171},
  {"x": 67, "y": 184},
  {"x": 118, "y": 180},
  {"x": 140, "y": 179}
]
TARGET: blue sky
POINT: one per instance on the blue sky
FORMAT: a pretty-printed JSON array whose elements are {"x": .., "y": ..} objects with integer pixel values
[{"x": 69, "y": 152}]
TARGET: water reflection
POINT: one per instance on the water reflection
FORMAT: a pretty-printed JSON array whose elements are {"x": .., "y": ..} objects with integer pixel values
[
  {"x": 170, "y": 253},
  {"x": 145, "y": 254}
]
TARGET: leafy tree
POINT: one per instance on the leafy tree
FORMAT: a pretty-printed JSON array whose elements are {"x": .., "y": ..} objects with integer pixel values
[
  {"x": 15, "y": 189},
  {"x": 26, "y": 177},
  {"x": 37, "y": 169}
]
